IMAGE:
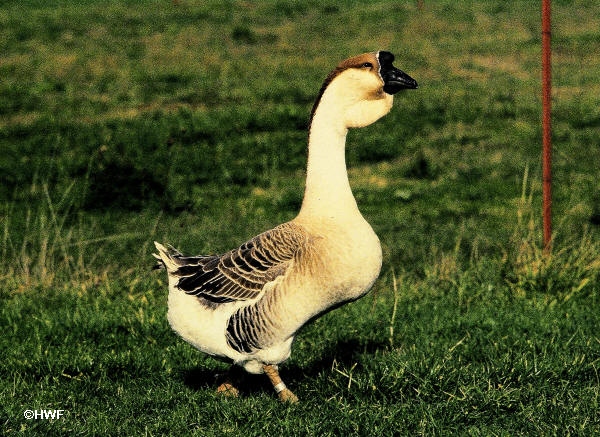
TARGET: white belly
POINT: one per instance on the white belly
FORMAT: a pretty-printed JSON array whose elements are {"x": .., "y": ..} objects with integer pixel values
[
  {"x": 205, "y": 328},
  {"x": 199, "y": 325}
]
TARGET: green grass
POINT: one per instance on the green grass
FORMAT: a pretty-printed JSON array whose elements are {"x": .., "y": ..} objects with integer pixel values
[{"x": 127, "y": 122}]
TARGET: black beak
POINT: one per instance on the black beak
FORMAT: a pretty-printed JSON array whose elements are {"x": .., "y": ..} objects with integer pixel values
[{"x": 394, "y": 79}]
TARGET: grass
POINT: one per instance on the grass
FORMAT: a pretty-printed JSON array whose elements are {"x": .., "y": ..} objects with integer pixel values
[{"x": 127, "y": 122}]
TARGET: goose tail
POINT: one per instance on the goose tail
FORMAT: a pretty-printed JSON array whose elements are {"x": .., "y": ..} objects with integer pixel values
[{"x": 166, "y": 258}]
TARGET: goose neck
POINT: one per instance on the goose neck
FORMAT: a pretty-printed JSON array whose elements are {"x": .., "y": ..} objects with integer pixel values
[{"x": 328, "y": 192}]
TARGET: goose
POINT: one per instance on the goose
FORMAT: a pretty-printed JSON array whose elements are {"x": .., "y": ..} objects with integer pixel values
[{"x": 246, "y": 305}]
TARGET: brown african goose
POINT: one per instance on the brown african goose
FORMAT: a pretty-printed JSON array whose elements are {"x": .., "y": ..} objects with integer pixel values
[{"x": 247, "y": 304}]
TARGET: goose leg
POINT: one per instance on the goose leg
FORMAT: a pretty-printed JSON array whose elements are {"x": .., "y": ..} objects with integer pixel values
[
  {"x": 285, "y": 395},
  {"x": 228, "y": 387}
]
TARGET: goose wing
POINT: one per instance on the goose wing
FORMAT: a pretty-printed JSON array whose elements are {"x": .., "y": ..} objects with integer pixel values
[{"x": 242, "y": 273}]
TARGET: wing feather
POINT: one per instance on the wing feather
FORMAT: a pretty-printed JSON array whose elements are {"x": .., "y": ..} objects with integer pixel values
[{"x": 242, "y": 273}]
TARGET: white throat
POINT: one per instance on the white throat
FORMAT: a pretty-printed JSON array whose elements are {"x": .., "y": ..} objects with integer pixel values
[{"x": 328, "y": 193}]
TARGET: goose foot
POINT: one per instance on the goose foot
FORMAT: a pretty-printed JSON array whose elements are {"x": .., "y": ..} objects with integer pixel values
[
  {"x": 228, "y": 387},
  {"x": 285, "y": 394}
]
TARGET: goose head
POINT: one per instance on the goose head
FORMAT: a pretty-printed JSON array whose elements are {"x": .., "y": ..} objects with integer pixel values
[{"x": 360, "y": 90}]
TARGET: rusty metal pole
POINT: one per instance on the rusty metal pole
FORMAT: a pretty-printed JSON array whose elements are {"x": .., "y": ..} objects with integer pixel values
[{"x": 546, "y": 124}]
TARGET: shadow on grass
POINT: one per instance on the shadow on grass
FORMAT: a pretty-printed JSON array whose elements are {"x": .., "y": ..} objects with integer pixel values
[
  {"x": 343, "y": 352},
  {"x": 197, "y": 379}
]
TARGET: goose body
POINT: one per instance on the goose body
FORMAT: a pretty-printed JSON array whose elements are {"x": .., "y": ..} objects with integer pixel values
[{"x": 246, "y": 305}]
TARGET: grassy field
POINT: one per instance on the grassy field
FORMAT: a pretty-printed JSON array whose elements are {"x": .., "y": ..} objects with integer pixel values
[{"x": 124, "y": 122}]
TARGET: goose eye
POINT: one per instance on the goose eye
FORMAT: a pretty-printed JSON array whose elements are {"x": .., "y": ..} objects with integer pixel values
[{"x": 367, "y": 65}]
